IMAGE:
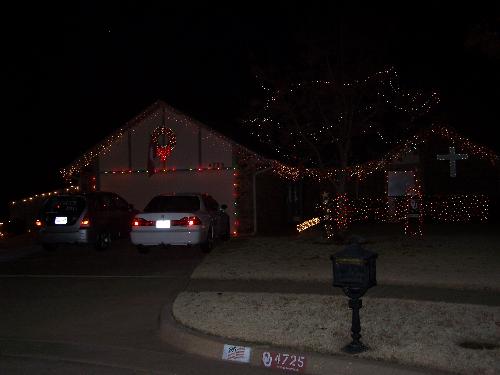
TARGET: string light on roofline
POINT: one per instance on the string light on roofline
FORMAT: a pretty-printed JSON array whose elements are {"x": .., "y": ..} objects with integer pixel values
[
  {"x": 361, "y": 171},
  {"x": 154, "y": 113},
  {"x": 168, "y": 170},
  {"x": 36, "y": 197},
  {"x": 104, "y": 147}
]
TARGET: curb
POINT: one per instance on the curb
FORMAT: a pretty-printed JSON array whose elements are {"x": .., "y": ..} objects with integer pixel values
[{"x": 212, "y": 347}]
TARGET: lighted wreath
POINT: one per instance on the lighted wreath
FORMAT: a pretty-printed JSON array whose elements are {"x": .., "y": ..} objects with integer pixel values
[{"x": 163, "y": 151}]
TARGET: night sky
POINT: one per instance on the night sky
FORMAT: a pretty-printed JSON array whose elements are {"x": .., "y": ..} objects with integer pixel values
[{"x": 74, "y": 73}]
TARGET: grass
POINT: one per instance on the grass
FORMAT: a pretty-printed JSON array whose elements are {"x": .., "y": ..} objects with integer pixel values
[
  {"x": 452, "y": 256},
  {"x": 409, "y": 332},
  {"x": 460, "y": 338}
]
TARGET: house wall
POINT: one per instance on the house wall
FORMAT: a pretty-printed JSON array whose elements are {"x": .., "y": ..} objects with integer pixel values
[
  {"x": 473, "y": 175},
  {"x": 117, "y": 156},
  {"x": 215, "y": 151},
  {"x": 195, "y": 147},
  {"x": 244, "y": 195},
  {"x": 271, "y": 204},
  {"x": 270, "y": 198},
  {"x": 273, "y": 215}
]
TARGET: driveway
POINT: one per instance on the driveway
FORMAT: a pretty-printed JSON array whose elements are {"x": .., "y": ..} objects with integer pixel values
[{"x": 76, "y": 310}]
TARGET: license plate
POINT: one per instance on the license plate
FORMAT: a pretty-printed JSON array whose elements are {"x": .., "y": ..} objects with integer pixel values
[
  {"x": 61, "y": 220},
  {"x": 162, "y": 223}
]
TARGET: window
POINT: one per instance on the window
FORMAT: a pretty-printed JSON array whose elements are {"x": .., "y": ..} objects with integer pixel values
[
  {"x": 64, "y": 205},
  {"x": 119, "y": 203},
  {"x": 99, "y": 201},
  {"x": 173, "y": 203}
]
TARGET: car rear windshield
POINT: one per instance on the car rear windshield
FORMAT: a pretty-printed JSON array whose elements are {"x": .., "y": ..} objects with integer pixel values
[
  {"x": 173, "y": 204},
  {"x": 64, "y": 205}
]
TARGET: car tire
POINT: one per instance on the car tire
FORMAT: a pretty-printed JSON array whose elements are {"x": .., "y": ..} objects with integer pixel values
[
  {"x": 49, "y": 246},
  {"x": 143, "y": 249},
  {"x": 103, "y": 241},
  {"x": 208, "y": 245}
]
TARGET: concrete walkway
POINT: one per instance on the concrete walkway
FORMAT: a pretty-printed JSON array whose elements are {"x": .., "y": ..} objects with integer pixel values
[{"x": 212, "y": 346}]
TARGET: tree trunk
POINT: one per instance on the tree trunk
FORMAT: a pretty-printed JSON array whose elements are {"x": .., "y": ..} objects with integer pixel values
[{"x": 336, "y": 213}]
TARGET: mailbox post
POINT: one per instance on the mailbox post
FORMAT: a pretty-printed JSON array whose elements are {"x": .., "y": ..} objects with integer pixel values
[{"x": 354, "y": 270}]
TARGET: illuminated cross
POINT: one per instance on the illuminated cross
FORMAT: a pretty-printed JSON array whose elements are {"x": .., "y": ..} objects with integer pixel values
[{"x": 452, "y": 157}]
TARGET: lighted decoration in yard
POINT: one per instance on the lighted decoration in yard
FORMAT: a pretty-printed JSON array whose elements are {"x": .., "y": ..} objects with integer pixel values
[
  {"x": 458, "y": 208},
  {"x": 401, "y": 187},
  {"x": 336, "y": 216},
  {"x": 308, "y": 224},
  {"x": 414, "y": 216},
  {"x": 453, "y": 157}
]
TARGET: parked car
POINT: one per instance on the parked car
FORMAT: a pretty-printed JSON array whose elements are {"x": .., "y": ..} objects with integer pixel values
[
  {"x": 180, "y": 219},
  {"x": 94, "y": 218}
]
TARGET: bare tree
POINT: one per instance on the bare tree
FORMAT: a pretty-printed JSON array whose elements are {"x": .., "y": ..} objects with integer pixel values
[{"x": 327, "y": 114}]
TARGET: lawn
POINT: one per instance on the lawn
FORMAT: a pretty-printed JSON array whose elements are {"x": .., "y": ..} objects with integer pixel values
[
  {"x": 453, "y": 256},
  {"x": 408, "y": 332},
  {"x": 421, "y": 333}
]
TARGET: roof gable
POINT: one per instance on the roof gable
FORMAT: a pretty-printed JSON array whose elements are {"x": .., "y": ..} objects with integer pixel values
[{"x": 156, "y": 110}]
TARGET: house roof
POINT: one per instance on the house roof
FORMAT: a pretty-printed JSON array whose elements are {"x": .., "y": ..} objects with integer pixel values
[
  {"x": 358, "y": 171},
  {"x": 103, "y": 146}
]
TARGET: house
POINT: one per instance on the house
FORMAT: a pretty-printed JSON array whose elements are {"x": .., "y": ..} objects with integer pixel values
[
  {"x": 457, "y": 180},
  {"x": 163, "y": 150},
  {"x": 159, "y": 151}
]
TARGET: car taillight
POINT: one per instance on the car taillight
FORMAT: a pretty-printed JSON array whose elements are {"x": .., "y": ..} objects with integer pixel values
[
  {"x": 140, "y": 222},
  {"x": 85, "y": 223},
  {"x": 187, "y": 221}
]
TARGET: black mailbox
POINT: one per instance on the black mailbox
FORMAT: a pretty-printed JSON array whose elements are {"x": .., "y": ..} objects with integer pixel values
[
  {"x": 354, "y": 270},
  {"x": 354, "y": 267}
]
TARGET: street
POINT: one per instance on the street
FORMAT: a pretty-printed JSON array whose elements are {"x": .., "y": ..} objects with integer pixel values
[{"x": 76, "y": 310}]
